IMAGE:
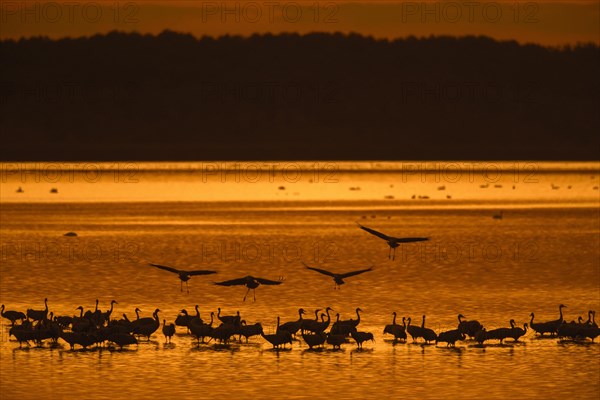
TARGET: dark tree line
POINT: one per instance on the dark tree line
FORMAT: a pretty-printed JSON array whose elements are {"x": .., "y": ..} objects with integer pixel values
[{"x": 317, "y": 96}]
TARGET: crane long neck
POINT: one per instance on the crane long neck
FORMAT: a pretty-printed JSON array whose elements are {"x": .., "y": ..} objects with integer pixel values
[
  {"x": 394, "y": 320},
  {"x": 532, "y": 316},
  {"x": 423, "y": 323},
  {"x": 357, "y": 314},
  {"x": 560, "y": 311}
]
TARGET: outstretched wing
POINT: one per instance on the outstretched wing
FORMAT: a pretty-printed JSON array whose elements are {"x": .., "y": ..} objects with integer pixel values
[
  {"x": 263, "y": 281},
  {"x": 374, "y": 232},
  {"x": 176, "y": 271},
  {"x": 409, "y": 240},
  {"x": 200, "y": 272},
  {"x": 233, "y": 282},
  {"x": 322, "y": 271},
  {"x": 348, "y": 274}
]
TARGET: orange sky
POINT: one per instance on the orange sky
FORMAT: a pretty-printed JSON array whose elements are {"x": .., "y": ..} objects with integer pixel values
[{"x": 547, "y": 22}]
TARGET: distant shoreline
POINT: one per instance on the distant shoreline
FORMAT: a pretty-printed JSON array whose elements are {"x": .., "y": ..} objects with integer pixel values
[{"x": 297, "y": 97}]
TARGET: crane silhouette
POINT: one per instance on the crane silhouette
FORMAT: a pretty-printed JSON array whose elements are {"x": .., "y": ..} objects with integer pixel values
[
  {"x": 184, "y": 275},
  {"x": 13, "y": 316},
  {"x": 250, "y": 282},
  {"x": 338, "y": 278},
  {"x": 393, "y": 242}
]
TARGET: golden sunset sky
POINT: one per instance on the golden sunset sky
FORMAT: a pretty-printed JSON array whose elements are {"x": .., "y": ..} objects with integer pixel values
[{"x": 545, "y": 22}]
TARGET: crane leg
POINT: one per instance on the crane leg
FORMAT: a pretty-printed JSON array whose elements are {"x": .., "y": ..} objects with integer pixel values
[
  {"x": 247, "y": 291},
  {"x": 181, "y": 286},
  {"x": 187, "y": 287},
  {"x": 394, "y": 254},
  {"x": 390, "y": 253},
  {"x": 254, "y": 293}
]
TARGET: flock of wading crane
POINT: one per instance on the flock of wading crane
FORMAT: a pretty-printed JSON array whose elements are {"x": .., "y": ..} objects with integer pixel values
[{"x": 97, "y": 328}]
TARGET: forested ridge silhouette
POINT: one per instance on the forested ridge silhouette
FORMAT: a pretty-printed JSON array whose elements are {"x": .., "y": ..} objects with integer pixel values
[{"x": 127, "y": 96}]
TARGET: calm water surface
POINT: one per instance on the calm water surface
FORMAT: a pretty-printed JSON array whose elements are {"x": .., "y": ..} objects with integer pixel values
[{"x": 543, "y": 252}]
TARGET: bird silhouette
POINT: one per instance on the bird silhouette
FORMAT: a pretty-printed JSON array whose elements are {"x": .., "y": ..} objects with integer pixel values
[
  {"x": 547, "y": 327},
  {"x": 314, "y": 339},
  {"x": 336, "y": 340},
  {"x": 12, "y": 316},
  {"x": 229, "y": 319},
  {"x": 106, "y": 315},
  {"x": 147, "y": 327},
  {"x": 516, "y": 332},
  {"x": 399, "y": 331},
  {"x": 317, "y": 326},
  {"x": 183, "y": 319},
  {"x": 360, "y": 337},
  {"x": 338, "y": 278},
  {"x": 184, "y": 275},
  {"x": 38, "y": 315},
  {"x": 414, "y": 331},
  {"x": 293, "y": 326},
  {"x": 469, "y": 328},
  {"x": 308, "y": 324},
  {"x": 280, "y": 338},
  {"x": 247, "y": 331},
  {"x": 558, "y": 322},
  {"x": 168, "y": 330},
  {"x": 450, "y": 337},
  {"x": 428, "y": 334},
  {"x": 122, "y": 339},
  {"x": 250, "y": 282},
  {"x": 393, "y": 242}
]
